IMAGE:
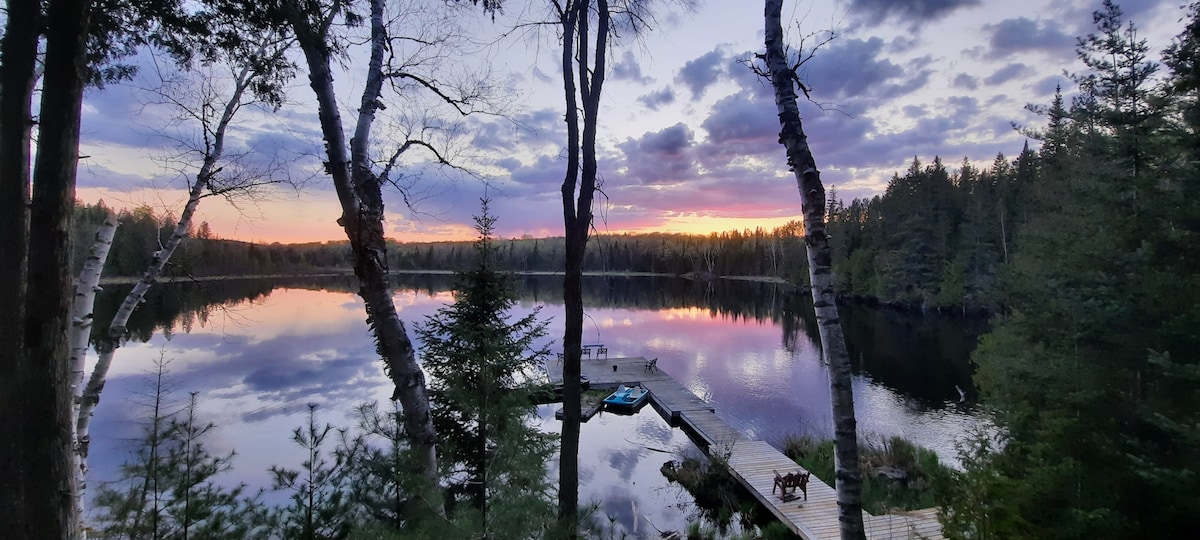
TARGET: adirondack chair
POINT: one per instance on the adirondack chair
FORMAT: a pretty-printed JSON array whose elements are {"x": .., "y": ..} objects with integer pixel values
[{"x": 784, "y": 482}]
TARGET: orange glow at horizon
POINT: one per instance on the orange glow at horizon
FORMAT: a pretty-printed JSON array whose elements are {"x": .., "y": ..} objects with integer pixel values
[
  {"x": 705, "y": 225},
  {"x": 307, "y": 218}
]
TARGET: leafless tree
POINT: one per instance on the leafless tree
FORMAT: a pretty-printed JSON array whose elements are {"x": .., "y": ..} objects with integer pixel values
[
  {"x": 207, "y": 100},
  {"x": 800, "y": 160},
  {"x": 411, "y": 54}
]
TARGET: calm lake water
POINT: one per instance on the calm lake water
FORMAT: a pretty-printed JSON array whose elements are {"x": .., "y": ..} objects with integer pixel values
[{"x": 259, "y": 351}]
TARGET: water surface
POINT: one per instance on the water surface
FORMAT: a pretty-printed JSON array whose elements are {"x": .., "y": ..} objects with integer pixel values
[{"x": 259, "y": 352}]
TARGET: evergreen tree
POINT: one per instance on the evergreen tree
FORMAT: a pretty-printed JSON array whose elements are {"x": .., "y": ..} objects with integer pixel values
[
  {"x": 1093, "y": 375},
  {"x": 168, "y": 490},
  {"x": 381, "y": 478},
  {"x": 319, "y": 508},
  {"x": 481, "y": 362}
]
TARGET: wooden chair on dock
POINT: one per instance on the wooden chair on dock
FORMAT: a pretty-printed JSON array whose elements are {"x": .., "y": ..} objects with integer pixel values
[
  {"x": 652, "y": 365},
  {"x": 600, "y": 351},
  {"x": 587, "y": 353},
  {"x": 784, "y": 482}
]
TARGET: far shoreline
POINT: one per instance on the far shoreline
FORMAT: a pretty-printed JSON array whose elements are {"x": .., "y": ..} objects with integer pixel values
[{"x": 130, "y": 280}]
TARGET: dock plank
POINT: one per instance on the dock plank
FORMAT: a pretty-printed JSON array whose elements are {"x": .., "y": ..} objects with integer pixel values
[{"x": 753, "y": 462}]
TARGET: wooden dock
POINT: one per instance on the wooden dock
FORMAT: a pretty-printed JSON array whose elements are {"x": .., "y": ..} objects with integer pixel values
[{"x": 753, "y": 462}]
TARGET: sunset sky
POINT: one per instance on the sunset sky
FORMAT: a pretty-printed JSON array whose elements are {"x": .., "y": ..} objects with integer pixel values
[{"x": 688, "y": 135}]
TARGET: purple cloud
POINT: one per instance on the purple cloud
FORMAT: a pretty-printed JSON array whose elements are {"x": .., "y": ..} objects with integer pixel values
[
  {"x": 916, "y": 12},
  {"x": 1019, "y": 35},
  {"x": 700, "y": 73},
  {"x": 1008, "y": 73},
  {"x": 658, "y": 98},
  {"x": 628, "y": 68}
]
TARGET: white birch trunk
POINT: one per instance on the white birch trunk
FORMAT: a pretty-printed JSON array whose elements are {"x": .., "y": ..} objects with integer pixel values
[
  {"x": 79, "y": 333},
  {"x": 833, "y": 344},
  {"x": 360, "y": 195},
  {"x": 89, "y": 398}
]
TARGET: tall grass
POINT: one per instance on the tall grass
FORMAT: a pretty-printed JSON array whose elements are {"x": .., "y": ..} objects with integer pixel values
[{"x": 921, "y": 475}]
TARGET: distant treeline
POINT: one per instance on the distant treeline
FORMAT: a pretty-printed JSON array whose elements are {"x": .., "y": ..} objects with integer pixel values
[
  {"x": 934, "y": 238},
  {"x": 778, "y": 252}
]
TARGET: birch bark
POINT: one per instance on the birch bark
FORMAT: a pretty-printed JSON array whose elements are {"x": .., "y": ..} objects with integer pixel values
[
  {"x": 360, "y": 195},
  {"x": 800, "y": 160},
  {"x": 214, "y": 150},
  {"x": 81, "y": 329}
]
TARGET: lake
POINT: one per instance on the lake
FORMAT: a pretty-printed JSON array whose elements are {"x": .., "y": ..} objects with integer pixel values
[{"x": 259, "y": 351}]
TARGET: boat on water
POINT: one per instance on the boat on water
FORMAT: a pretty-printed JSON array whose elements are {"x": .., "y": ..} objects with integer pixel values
[{"x": 627, "y": 397}]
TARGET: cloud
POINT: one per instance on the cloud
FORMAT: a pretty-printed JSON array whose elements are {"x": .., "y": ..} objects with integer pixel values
[
  {"x": 853, "y": 71},
  {"x": 741, "y": 119},
  {"x": 965, "y": 81},
  {"x": 1008, "y": 73},
  {"x": 1047, "y": 85},
  {"x": 964, "y": 105},
  {"x": 660, "y": 156},
  {"x": 658, "y": 98},
  {"x": 914, "y": 111},
  {"x": 916, "y": 12},
  {"x": 94, "y": 175},
  {"x": 1012, "y": 36},
  {"x": 700, "y": 73},
  {"x": 627, "y": 68}
]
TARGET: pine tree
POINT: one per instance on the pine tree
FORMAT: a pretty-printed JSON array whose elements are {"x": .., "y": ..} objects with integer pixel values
[
  {"x": 320, "y": 509},
  {"x": 481, "y": 362},
  {"x": 1092, "y": 374},
  {"x": 168, "y": 489}
]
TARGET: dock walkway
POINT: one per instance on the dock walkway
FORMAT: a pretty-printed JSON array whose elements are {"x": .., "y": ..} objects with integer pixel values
[{"x": 753, "y": 462}]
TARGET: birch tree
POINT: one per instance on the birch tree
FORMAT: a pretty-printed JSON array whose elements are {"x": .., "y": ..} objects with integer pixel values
[
  {"x": 79, "y": 337},
  {"x": 833, "y": 344},
  {"x": 211, "y": 100},
  {"x": 358, "y": 179}
]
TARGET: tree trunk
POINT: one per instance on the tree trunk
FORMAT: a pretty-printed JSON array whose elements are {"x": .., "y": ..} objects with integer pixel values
[
  {"x": 360, "y": 194},
  {"x": 89, "y": 397},
  {"x": 577, "y": 222},
  {"x": 17, "y": 63},
  {"x": 568, "y": 468},
  {"x": 81, "y": 330},
  {"x": 833, "y": 344},
  {"x": 45, "y": 504}
]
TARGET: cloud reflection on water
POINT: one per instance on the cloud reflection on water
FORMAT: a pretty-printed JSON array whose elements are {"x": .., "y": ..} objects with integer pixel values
[{"x": 297, "y": 346}]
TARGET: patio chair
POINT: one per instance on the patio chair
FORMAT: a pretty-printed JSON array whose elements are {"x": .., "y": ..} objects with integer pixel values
[
  {"x": 652, "y": 365},
  {"x": 587, "y": 353},
  {"x": 600, "y": 351},
  {"x": 791, "y": 481}
]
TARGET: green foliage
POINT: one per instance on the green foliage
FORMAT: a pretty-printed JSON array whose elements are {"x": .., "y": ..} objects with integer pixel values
[
  {"x": 167, "y": 490},
  {"x": 980, "y": 502},
  {"x": 381, "y": 475},
  {"x": 718, "y": 495},
  {"x": 319, "y": 509},
  {"x": 896, "y": 473},
  {"x": 1091, "y": 374},
  {"x": 482, "y": 364}
]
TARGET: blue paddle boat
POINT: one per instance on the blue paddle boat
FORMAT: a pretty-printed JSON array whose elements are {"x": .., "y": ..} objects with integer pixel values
[{"x": 627, "y": 397}]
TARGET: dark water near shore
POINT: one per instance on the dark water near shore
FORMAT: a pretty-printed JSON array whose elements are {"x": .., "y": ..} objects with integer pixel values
[{"x": 259, "y": 351}]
